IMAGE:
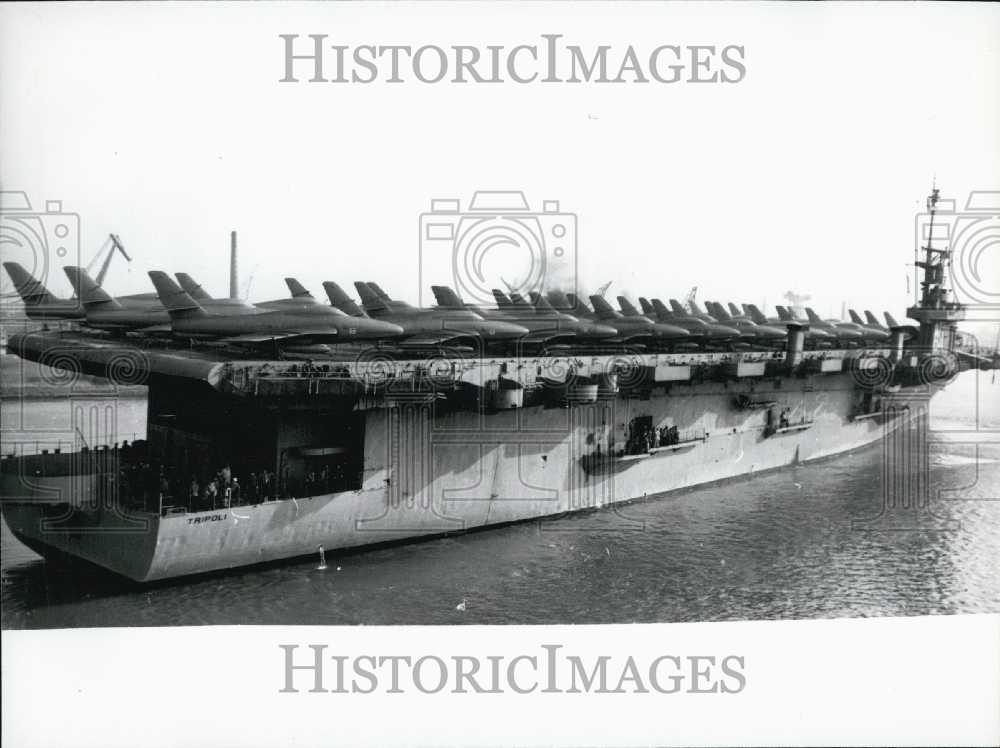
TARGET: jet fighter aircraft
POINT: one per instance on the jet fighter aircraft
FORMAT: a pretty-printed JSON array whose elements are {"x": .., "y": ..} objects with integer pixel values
[
  {"x": 707, "y": 331},
  {"x": 871, "y": 323},
  {"x": 814, "y": 337},
  {"x": 39, "y": 302},
  {"x": 912, "y": 331},
  {"x": 761, "y": 333},
  {"x": 300, "y": 297},
  {"x": 317, "y": 323},
  {"x": 421, "y": 327},
  {"x": 544, "y": 325},
  {"x": 104, "y": 312},
  {"x": 631, "y": 325},
  {"x": 846, "y": 330}
]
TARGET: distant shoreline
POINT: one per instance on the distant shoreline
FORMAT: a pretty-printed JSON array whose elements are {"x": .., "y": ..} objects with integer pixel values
[
  {"x": 27, "y": 380},
  {"x": 57, "y": 393}
]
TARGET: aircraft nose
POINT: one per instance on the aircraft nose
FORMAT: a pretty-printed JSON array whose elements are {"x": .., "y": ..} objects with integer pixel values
[
  {"x": 670, "y": 331},
  {"x": 503, "y": 330},
  {"x": 599, "y": 331},
  {"x": 718, "y": 331},
  {"x": 374, "y": 328}
]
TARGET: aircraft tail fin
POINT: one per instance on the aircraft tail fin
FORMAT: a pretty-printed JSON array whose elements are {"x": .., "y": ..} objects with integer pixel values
[
  {"x": 370, "y": 300},
  {"x": 756, "y": 314},
  {"x": 192, "y": 287},
  {"x": 718, "y": 311},
  {"x": 378, "y": 291},
  {"x": 340, "y": 300},
  {"x": 646, "y": 307},
  {"x": 577, "y": 305},
  {"x": 627, "y": 307},
  {"x": 855, "y": 317},
  {"x": 735, "y": 310},
  {"x": 676, "y": 306},
  {"x": 88, "y": 292},
  {"x": 783, "y": 313},
  {"x": 501, "y": 298},
  {"x": 558, "y": 299},
  {"x": 297, "y": 290},
  {"x": 661, "y": 309},
  {"x": 518, "y": 300},
  {"x": 175, "y": 299},
  {"x": 890, "y": 320},
  {"x": 447, "y": 298},
  {"x": 813, "y": 317},
  {"x": 872, "y": 319},
  {"x": 542, "y": 305},
  {"x": 30, "y": 289},
  {"x": 602, "y": 308}
]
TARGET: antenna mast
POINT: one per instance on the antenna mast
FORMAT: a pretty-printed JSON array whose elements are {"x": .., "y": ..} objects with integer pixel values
[{"x": 936, "y": 313}]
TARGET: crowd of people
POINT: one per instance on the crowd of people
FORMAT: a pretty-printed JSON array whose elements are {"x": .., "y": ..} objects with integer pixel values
[
  {"x": 144, "y": 482},
  {"x": 642, "y": 440},
  {"x": 147, "y": 483}
]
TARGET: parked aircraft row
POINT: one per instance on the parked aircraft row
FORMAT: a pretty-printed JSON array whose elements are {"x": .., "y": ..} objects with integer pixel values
[{"x": 182, "y": 308}]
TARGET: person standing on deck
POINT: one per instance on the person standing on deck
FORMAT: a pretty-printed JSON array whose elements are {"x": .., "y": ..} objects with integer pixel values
[
  {"x": 211, "y": 495},
  {"x": 194, "y": 493},
  {"x": 226, "y": 486}
]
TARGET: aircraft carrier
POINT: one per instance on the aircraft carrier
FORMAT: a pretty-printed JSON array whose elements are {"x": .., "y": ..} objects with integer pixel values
[{"x": 293, "y": 428}]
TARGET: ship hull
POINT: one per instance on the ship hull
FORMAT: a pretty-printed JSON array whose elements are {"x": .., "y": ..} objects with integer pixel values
[{"x": 428, "y": 473}]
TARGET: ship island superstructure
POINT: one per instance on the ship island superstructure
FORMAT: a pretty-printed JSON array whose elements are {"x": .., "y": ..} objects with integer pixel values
[{"x": 382, "y": 445}]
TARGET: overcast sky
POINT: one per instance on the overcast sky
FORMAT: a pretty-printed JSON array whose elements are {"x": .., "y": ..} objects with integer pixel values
[{"x": 167, "y": 125}]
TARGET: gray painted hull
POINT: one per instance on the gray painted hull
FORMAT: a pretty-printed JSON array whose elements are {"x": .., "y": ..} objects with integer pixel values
[{"x": 427, "y": 475}]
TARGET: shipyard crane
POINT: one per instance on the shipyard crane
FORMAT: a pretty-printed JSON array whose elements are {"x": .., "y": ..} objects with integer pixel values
[
  {"x": 111, "y": 244},
  {"x": 691, "y": 298},
  {"x": 796, "y": 299}
]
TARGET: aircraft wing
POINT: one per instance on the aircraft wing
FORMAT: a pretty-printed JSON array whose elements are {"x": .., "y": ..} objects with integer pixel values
[
  {"x": 156, "y": 329},
  {"x": 418, "y": 340},
  {"x": 630, "y": 336},
  {"x": 252, "y": 338},
  {"x": 265, "y": 337},
  {"x": 544, "y": 336}
]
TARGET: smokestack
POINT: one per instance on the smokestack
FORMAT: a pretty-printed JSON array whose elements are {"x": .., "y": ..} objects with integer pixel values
[
  {"x": 796, "y": 343},
  {"x": 898, "y": 336},
  {"x": 234, "y": 274}
]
